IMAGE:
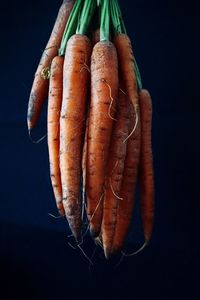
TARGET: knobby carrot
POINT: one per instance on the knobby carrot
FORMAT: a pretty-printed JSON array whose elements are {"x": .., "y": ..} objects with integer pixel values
[
  {"x": 72, "y": 124},
  {"x": 117, "y": 154},
  {"x": 39, "y": 91},
  {"x": 125, "y": 206},
  {"x": 104, "y": 91},
  {"x": 146, "y": 174},
  {"x": 53, "y": 127}
]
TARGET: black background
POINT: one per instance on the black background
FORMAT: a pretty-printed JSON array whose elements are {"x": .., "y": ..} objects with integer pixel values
[{"x": 35, "y": 259}]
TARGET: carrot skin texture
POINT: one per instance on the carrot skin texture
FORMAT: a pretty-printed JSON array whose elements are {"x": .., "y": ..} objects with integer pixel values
[
  {"x": 104, "y": 81},
  {"x": 125, "y": 206},
  {"x": 146, "y": 172},
  {"x": 126, "y": 66},
  {"x": 53, "y": 127},
  {"x": 117, "y": 154},
  {"x": 72, "y": 125},
  {"x": 40, "y": 87}
]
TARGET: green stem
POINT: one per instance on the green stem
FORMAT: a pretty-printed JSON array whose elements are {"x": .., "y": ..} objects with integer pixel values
[
  {"x": 71, "y": 25},
  {"x": 119, "y": 28},
  {"x": 105, "y": 20},
  {"x": 86, "y": 16},
  {"x": 116, "y": 17},
  {"x": 138, "y": 76}
]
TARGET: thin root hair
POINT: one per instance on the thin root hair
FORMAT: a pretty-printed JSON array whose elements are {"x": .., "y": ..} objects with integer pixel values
[
  {"x": 111, "y": 103},
  {"x": 36, "y": 141},
  {"x": 85, "y": 66},
  {"x": 54, "y": 216},
  {"x": 135, "y": 252},
  {"x": 122, "y": 91},
  {"x": 135, "y": 126},
  {"x": 120, "y": 261},
  {"x": 112, "y": 189},
  {"x": 97, "y": 206},
  {"x": 110, "y": 181},
  {"x": 88, "y": 227},
  {"x": 86, "y": 256},
  {"x": 92, "y": 257}
]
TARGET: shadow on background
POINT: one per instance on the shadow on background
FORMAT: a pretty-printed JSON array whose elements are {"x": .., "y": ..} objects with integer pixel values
[
  {"x": 39, "y": 264},
  {"x": 35, "y": 259}
]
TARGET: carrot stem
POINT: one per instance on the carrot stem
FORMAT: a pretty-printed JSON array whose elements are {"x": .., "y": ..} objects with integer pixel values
[
  {"x": 117, "y": 19},
  {"x": 71, "y": 25},
  {"x": 105, "y": 20},
  {"x": 86, "y": 16},
  {"x": 119, "y": 28}
]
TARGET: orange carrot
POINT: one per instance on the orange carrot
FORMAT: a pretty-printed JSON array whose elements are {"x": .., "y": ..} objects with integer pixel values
[
  {"x": 117, "y": 154},
  {"x": 125, "y": 206},
  {"x": 146, "y": 177},
  {"x": 54, "y": 107},
  {"x": 104, "y": 91},
  {"x": 39, "y": 91},
  {"x": 72, "y": 124},
  {"x": 126, "y": 66}
]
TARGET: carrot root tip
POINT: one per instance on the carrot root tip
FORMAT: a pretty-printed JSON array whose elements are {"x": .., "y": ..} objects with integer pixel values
[
  {"x": 135, "y": 252},
  {"x": 93, "y": 232},
  {"x": 56, "y": 217},
  {"x": 36, "y": 141}
]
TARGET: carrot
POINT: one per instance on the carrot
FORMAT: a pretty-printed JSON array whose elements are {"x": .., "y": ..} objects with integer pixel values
[
  {"x": 126, "y": 66},
  {"x": 125, "y": 206},
  {"x": 117, "y": 154},
  {"x": 72, "y": 123},
  {"x": 146, "y": 176},
  {"x": 54, "y": 107},
  {"x": 39, "y": 91},
  {"x": 104, "y": 91}
]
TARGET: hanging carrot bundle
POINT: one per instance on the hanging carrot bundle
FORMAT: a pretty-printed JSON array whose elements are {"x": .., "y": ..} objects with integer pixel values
[{"x": 99, "y": 124}]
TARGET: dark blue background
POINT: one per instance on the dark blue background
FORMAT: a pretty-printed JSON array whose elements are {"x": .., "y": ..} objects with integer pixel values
[{"x": 35, "y": 259}]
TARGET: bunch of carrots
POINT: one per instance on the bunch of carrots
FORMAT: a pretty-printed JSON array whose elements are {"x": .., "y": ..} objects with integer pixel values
[{"x": 98, "y": 124}]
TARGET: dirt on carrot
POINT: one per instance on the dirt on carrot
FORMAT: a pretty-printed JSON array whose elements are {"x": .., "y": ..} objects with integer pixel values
[
  {"x": 72, "y": 124},
  {"x": 40, "y": 87},
  {"x": 104, "y": 93}
]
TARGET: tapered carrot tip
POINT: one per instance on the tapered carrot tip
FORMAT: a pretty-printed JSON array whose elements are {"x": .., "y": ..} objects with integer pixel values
[
  {"x": 61, "y": 210},
  {"x": 93, "y": 232},
  {"x": 107, "y": 253}
]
